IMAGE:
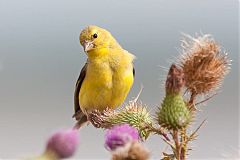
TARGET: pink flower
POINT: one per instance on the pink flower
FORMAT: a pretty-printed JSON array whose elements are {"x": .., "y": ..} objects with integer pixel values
[
  {"x": 63, "y": 143},
  {"x": 119, "y": 135}
]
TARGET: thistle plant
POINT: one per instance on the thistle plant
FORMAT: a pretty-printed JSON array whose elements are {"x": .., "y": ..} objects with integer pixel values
[{"x": 199, "y": 70}]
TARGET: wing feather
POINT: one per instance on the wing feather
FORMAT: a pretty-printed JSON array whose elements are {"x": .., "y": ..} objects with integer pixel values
[{"x": 79, "y": 82}]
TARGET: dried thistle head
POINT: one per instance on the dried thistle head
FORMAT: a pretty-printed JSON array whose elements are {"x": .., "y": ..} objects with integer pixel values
[
  {"x": 132, "y": 151},
  {"x": 204, "y": 64},
  {"x": 133, "y": 114},
  {"x": 175, "y": 80}
]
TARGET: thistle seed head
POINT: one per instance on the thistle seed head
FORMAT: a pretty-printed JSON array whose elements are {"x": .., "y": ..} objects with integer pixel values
[{"x": 204, "y": 64}]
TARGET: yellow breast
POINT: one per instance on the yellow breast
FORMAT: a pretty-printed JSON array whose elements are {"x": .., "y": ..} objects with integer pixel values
[{"x": 106, "y": 84}]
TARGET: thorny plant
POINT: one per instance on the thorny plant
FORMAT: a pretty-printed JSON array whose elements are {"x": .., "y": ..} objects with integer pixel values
[{"x": 200, "y": 70}]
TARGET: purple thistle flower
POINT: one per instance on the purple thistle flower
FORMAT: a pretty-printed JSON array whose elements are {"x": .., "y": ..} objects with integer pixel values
[
  {"x": 63, "y": 143},
  {"x": 119, "y": 135}
]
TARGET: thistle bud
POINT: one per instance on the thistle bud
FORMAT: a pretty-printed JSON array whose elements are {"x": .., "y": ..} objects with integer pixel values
[
  {"x": 174, "y": 113},
  {"x": 133, "y": 114}
]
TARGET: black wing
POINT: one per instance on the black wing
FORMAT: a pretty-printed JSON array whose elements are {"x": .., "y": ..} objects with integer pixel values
[
  {"x": 77, "y": 89},
  {"x": 133, "y": 72},
  {"x": 79, "y": 115}
]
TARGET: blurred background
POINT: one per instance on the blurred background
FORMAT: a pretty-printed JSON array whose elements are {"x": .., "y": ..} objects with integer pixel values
[{"x": 40, "y": 60}]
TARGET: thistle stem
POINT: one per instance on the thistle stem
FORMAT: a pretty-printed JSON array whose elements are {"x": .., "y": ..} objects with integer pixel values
[
  {"x": 183, "y": 144},
  {"x": 184, "y": 138},
  {"x": 177, "y": 144},
  {"x": 191, "y": 102},
  {"x": 159, "y": 131}
]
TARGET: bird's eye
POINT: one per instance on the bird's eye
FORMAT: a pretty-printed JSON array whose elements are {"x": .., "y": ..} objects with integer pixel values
[{"x": 95, "y": 35}]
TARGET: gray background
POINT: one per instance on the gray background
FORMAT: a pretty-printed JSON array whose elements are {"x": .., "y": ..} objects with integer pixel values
[{"x": 40, "y": 59}]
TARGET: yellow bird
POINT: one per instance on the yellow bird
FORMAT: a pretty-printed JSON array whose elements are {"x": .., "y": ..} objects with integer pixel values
[{"x": 107, "y": 76}]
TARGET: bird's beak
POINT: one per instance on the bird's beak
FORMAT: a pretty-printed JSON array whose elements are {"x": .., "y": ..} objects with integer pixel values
[{"x": 87, "y": 45}]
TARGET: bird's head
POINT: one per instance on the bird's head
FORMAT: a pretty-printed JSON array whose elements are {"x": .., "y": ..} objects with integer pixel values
[{"x": 94, "y": 38}]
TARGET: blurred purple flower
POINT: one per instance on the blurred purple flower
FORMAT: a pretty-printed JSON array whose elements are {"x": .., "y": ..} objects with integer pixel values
[
  {"x": 119, "y": 135},
  {"x": 63, "y": 143}
]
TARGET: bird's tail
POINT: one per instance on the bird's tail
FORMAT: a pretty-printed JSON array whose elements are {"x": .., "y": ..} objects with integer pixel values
[{"x": 81, "y": 120}]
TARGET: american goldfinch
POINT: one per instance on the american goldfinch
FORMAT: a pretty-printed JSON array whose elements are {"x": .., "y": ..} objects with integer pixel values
[{"x": 107, "y": 76}]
